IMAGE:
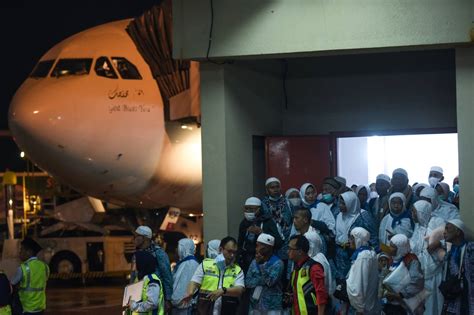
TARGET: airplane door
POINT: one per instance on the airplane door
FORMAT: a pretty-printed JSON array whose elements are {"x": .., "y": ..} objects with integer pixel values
[{"x": 296, "y": 160}]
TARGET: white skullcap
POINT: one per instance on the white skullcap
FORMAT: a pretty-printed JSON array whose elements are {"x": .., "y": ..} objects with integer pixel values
[
  {"x": 383, "y": 177},
  {"x": 340, "y": 180},
  {"x": 459, "y": 224},
  {"x": 272, "y": 180},
  {"x": 436, "y": 169},
  {"x": 144, "y": 230},
  {"x": 266, "y": 239},
  {"x": 400, "y": 171},
  {"x": 253, "y": 201}
]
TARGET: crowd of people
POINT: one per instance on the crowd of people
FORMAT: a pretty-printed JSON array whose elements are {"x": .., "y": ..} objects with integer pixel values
[{"x": 387, "y": 248}]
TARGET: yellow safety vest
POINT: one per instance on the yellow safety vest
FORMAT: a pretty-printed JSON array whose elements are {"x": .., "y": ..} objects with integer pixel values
[
  {"x": 305, "y": 291},
  {"x": 210, "y": 281},
  {"x": 33, "y": 285},
  {"x": 5, "y": 310},
  {"x": 152, "y": 278}
]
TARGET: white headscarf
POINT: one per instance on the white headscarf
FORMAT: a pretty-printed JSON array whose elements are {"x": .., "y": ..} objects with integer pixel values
[
  {"x": 186, "y": 248},
  {"x": 397, "y": 195},
  {"x": 423, "y": 212},
  {"x": 315, "y": 243},
  {"x": 359, "y": 188},
  {"x": 403, "y": 246},
  {"x": 431, "y": 193},
  {"x": 289, "y": 191},
  {"x": 344, "y": 221},
  {"x": 303, "y": 192},
  {"x": 361, "y": 236},
  {"x": 415, "y": 187},
  {"x": 213, "y": 248},
  {"x": 445, "y": 188}
]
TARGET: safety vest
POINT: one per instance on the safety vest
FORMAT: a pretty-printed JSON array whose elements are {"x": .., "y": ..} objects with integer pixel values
[
  {"x": 5, "y": 310},
  {"x": 152, "y": 278},
  {"x": 305, "y": 291},
  {"x": 210, "y": 281},
  {"x": 33, "y": 285}
]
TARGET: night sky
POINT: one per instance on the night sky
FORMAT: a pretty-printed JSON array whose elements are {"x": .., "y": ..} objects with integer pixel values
[{"x": 29, "y": 29}]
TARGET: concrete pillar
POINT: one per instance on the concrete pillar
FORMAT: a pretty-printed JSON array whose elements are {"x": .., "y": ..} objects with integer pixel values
[
  {"x": 238, "y": 101},
  {"x": 465, "y": 114}
]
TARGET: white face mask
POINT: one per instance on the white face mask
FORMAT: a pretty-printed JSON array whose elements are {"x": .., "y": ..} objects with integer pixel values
[
  {"x": 295, "y": 202},
  {"x": 433, "y": 181},
  {"x": 373, "y": 195},
  {"x": 249, "y": 216}
]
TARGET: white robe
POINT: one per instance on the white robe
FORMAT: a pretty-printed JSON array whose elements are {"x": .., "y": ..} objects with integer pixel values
[
  {"x": 323, "y": 213},
  {"x": 432, "y": 269},
  {"x": 362, "y": 283},
  {"x": 446, "y": 211}
]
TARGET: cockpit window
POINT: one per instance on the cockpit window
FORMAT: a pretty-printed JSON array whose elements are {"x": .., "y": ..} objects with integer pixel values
[
  {"x": 66, "y": 67},
  {"x": 103, "y": 68},
  {"x": 127, "y": 70},
  {"x": 42, "y": 69}
]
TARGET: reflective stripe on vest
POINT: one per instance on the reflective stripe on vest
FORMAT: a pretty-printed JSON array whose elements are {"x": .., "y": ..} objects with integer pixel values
[
  {"x": 5, "y": 310},
  {"x": 32, "y": 294},
  {"x": 210, "y": 281},
  {"x": 306, "y": 293},
  {"x": 161, "y": 301}
]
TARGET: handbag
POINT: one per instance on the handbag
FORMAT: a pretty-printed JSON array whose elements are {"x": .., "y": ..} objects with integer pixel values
[
  {"x": 341, "y": 290},
  {"x": 204, "y": 305},
  {"x": 452, "y": 287}
]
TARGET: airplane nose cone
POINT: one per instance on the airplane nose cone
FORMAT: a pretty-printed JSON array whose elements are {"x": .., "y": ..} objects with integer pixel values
[{"x": 34, "y": 119}]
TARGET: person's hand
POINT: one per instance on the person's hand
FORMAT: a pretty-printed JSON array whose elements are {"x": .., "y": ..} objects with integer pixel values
[
  {"x": 168, "y": 306},
  {"x": 186, "y": 299},
  {"x": 129, "y": 303},
  {"x": 214, "y": 295},
  {"x": 392, "y": 296},
  {"x": 254, "y": 229}
]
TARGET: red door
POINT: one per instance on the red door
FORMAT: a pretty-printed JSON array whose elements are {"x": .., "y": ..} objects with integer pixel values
[{"x": 297, "y": 160}]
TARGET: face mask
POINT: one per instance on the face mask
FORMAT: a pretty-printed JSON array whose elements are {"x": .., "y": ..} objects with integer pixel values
[
  {"x": 249, "y": 216},
  {"x": 273, "y": 198},
  {"x": 433, "y": 181},
  {"x": 328, "y": 198},
  {"x": 456, "y": 188},
  {"x": 295, "y": 202},
  {"x": 373, "y": 195},
  {"x": 441, "y": 198}
]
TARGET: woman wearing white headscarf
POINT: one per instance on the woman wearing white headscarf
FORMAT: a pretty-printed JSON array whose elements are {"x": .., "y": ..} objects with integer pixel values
[
  {"x": 397, "y": 221},
  {"x": 213, "y": 248},
  {"x": 350, "y": 217},
  {"x": 363, "y": 193},
  {"x": 441, "y": 209},
  {"x": 315, "y": 253},
  {"x": 432, "y": 267},
  {"x": 400, "y": 246},
  {"x": 182, "y": 274},
  {"x": 362, "y": 280},
  {"x": 319, "y": 210}
]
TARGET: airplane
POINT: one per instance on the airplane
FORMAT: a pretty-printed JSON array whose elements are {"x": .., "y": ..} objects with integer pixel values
[{"x": 91, "y": 115}]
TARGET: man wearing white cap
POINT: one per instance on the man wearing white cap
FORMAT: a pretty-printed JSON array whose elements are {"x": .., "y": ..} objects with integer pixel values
[
  {"x": 264, "y": 279},
  {"x": 276, "y": 205},
  {"x": 457, "y": 287},
  {"x": 143, "y": 241},
  {"x": 435, "y": 176},
  {"x": 380, "y": 206},
  {"x": 252, "y": 225},
  {"x": 400, "y": 184}
]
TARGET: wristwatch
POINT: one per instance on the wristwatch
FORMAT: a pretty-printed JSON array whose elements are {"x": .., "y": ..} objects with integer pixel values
[{"x": 224, "y": 289}]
